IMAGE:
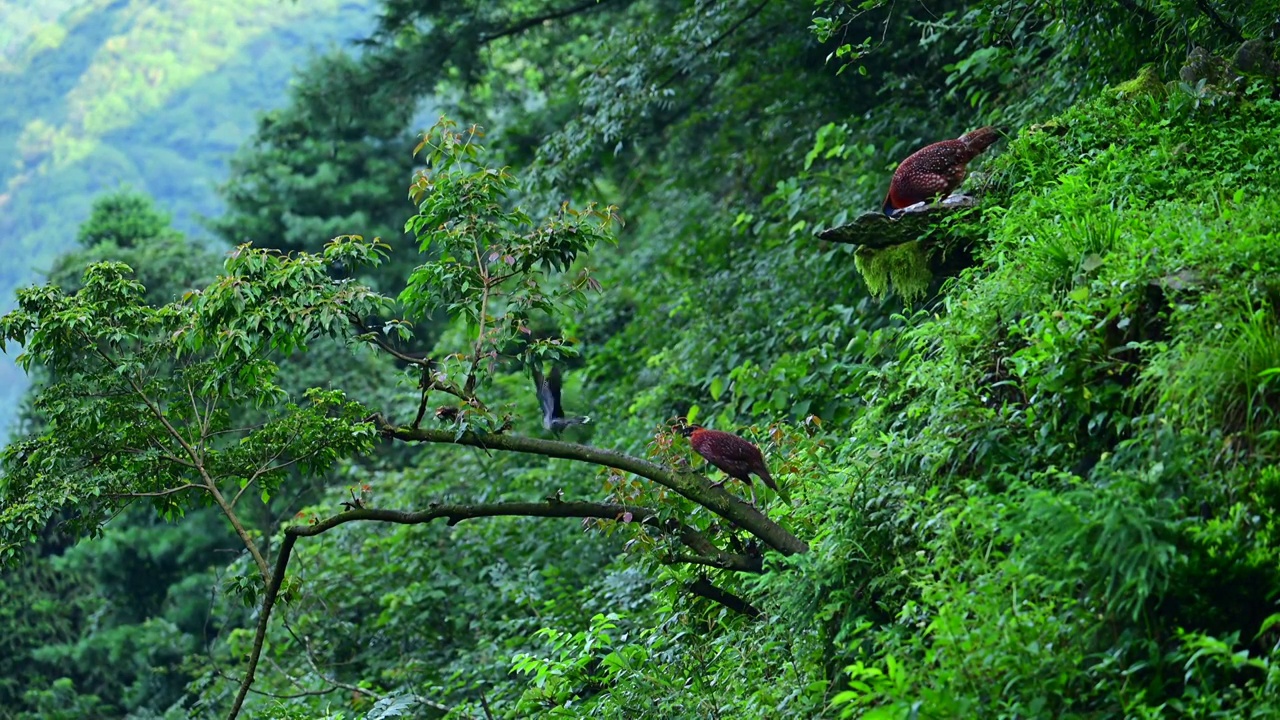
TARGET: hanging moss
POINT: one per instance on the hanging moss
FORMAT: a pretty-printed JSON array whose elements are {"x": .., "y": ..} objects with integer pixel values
[{"x": 902, "y": 268}]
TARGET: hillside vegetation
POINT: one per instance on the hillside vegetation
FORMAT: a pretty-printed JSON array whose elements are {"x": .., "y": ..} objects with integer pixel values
[
  {"x": 95, "y": 95},
  {"x": 318, "y": 482}
]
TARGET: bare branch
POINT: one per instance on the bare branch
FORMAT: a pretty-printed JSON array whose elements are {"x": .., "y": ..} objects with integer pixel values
[
  {"x": 722, "y": 561},
  {"x": 751, "y": 14},
  {"x": 268, "y": 467},
  {"x": 160, "y": 493},
  {"x": 264, "y": 618},
  {"x": 195, "y": 457},
  {"x": 536, "y": 20},
  {"x": 425, "y": 363},
  {"x": 1223, "y": 25},
  {"x": 689, "y": 485},
  {"x": 454, "y": 514}
]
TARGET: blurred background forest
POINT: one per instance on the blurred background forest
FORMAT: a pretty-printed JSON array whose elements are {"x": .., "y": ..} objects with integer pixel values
[
  {"x": 1044, "y": 484},
  {"x": 96, "y": 95}
]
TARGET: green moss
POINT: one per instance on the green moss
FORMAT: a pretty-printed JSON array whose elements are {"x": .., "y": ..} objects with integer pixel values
[
  {"x": 902, "y": 268},
  {"x": 1146, "y": 83}
]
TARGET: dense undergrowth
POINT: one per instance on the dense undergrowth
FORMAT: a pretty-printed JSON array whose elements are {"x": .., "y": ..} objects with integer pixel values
[{"x": 1057, "y": 500}]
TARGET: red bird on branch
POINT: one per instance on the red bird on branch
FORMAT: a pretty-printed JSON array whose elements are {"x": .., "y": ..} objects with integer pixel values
[
  {"x": 737, "y": 458},
  {"x": 935, "y": 170}
]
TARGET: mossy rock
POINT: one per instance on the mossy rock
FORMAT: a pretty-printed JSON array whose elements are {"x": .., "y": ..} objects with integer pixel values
[
  {"x": 1146, "y": 83},
  {"x": 1257, "y": 58},
  {"x": 876, "y": 230},
  {"x": 903, "y": 254}
]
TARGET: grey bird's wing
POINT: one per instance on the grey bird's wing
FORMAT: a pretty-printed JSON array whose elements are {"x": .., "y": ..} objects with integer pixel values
[{"x": 548, "y": 395}]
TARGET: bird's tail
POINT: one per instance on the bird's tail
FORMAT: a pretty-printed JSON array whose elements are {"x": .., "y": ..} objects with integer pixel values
[
  {"x": 980, "y": 139},
  {"x": 768, "y": 480}
]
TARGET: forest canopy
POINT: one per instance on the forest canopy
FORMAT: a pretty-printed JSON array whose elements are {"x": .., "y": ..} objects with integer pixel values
[{"x": 439, "y": 429}]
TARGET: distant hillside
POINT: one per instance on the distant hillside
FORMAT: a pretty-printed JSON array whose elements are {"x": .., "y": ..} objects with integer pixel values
[{"x": 153, "y": 94}]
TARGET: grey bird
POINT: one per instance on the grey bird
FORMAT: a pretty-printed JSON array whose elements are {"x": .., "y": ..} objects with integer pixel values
[{"x": 548, "y": 388}]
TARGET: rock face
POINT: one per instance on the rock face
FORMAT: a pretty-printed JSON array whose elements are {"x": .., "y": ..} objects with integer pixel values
[
  {"x": 875, "y": 230},
  {"x": 905, "y": 253},
  {"x": 1257, "y": 57},
  {"x": 1254, "y": 58}
]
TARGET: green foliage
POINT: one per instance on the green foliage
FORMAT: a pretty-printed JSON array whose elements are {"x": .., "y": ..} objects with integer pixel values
[
  {"x": 1049, "y": 495},
  {"x": 122, "y": 219},
  {"x": 131, "y": 417},
  {"x": 1096, "y": 337},
  {"x": 489, "y": 271}
]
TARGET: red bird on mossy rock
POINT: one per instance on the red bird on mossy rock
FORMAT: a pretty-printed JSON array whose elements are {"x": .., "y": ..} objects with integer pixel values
[
  {"x": 935, "y": 170},
  {"x": 737, "y": 458}
]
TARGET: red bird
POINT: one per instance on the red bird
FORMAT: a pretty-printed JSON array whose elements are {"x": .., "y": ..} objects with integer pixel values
[
  {"x": 935, "y": 170},
  {"x": 736, "y": 457}
]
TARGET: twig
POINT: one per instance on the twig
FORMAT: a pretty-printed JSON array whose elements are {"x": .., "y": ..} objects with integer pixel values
[
  {"x": 539, "y": 19},
  {"x": 195, "y": 459},
  {"x": 160, "y": 493},
  {"x": 267, "y": 467}
]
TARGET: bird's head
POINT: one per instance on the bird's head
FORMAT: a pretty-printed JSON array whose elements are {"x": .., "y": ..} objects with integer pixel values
[
  {"x": 682, "y": 426},
  {"x": 982, "y": 138}
]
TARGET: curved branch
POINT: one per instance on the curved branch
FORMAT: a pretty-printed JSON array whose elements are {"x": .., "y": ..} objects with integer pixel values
[
  {"x": 689, "y": 485},
  {"x": 454, "y": 515},
  {"x": 1223, "y": 25},
  {"x": 158, "y": 493},
  {"x": 708, "y": 553}
]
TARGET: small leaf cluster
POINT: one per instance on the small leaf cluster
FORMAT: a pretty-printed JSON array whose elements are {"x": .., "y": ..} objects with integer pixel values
[{"x": 492, "y": 266}]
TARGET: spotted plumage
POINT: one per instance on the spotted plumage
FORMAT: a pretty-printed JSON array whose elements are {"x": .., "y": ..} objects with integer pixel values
[
  {"x": 935, "y": 170},
  {"x": 735, "y": 457}
]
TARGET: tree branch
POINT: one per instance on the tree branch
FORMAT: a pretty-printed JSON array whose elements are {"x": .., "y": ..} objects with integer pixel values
[
  {"x": 689, "y": 485},
  {"x": 1223, "y": 25},
  {"x": 454, "y": 515},
  {"x": 426, "y": 363},
  {"x": 735, "y": 27},
  {"x": 159, "y": 493},
  {"x": 268, "y": 467},
  {"x": 197, "y": 463},
  {"x": 264, "y": 618},
  {"x": 528, "y": 23},
  {"x": 741, "y": 563},
  {"x": 1147, "y": 17},
  {"x": 702, "y": 587}
]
